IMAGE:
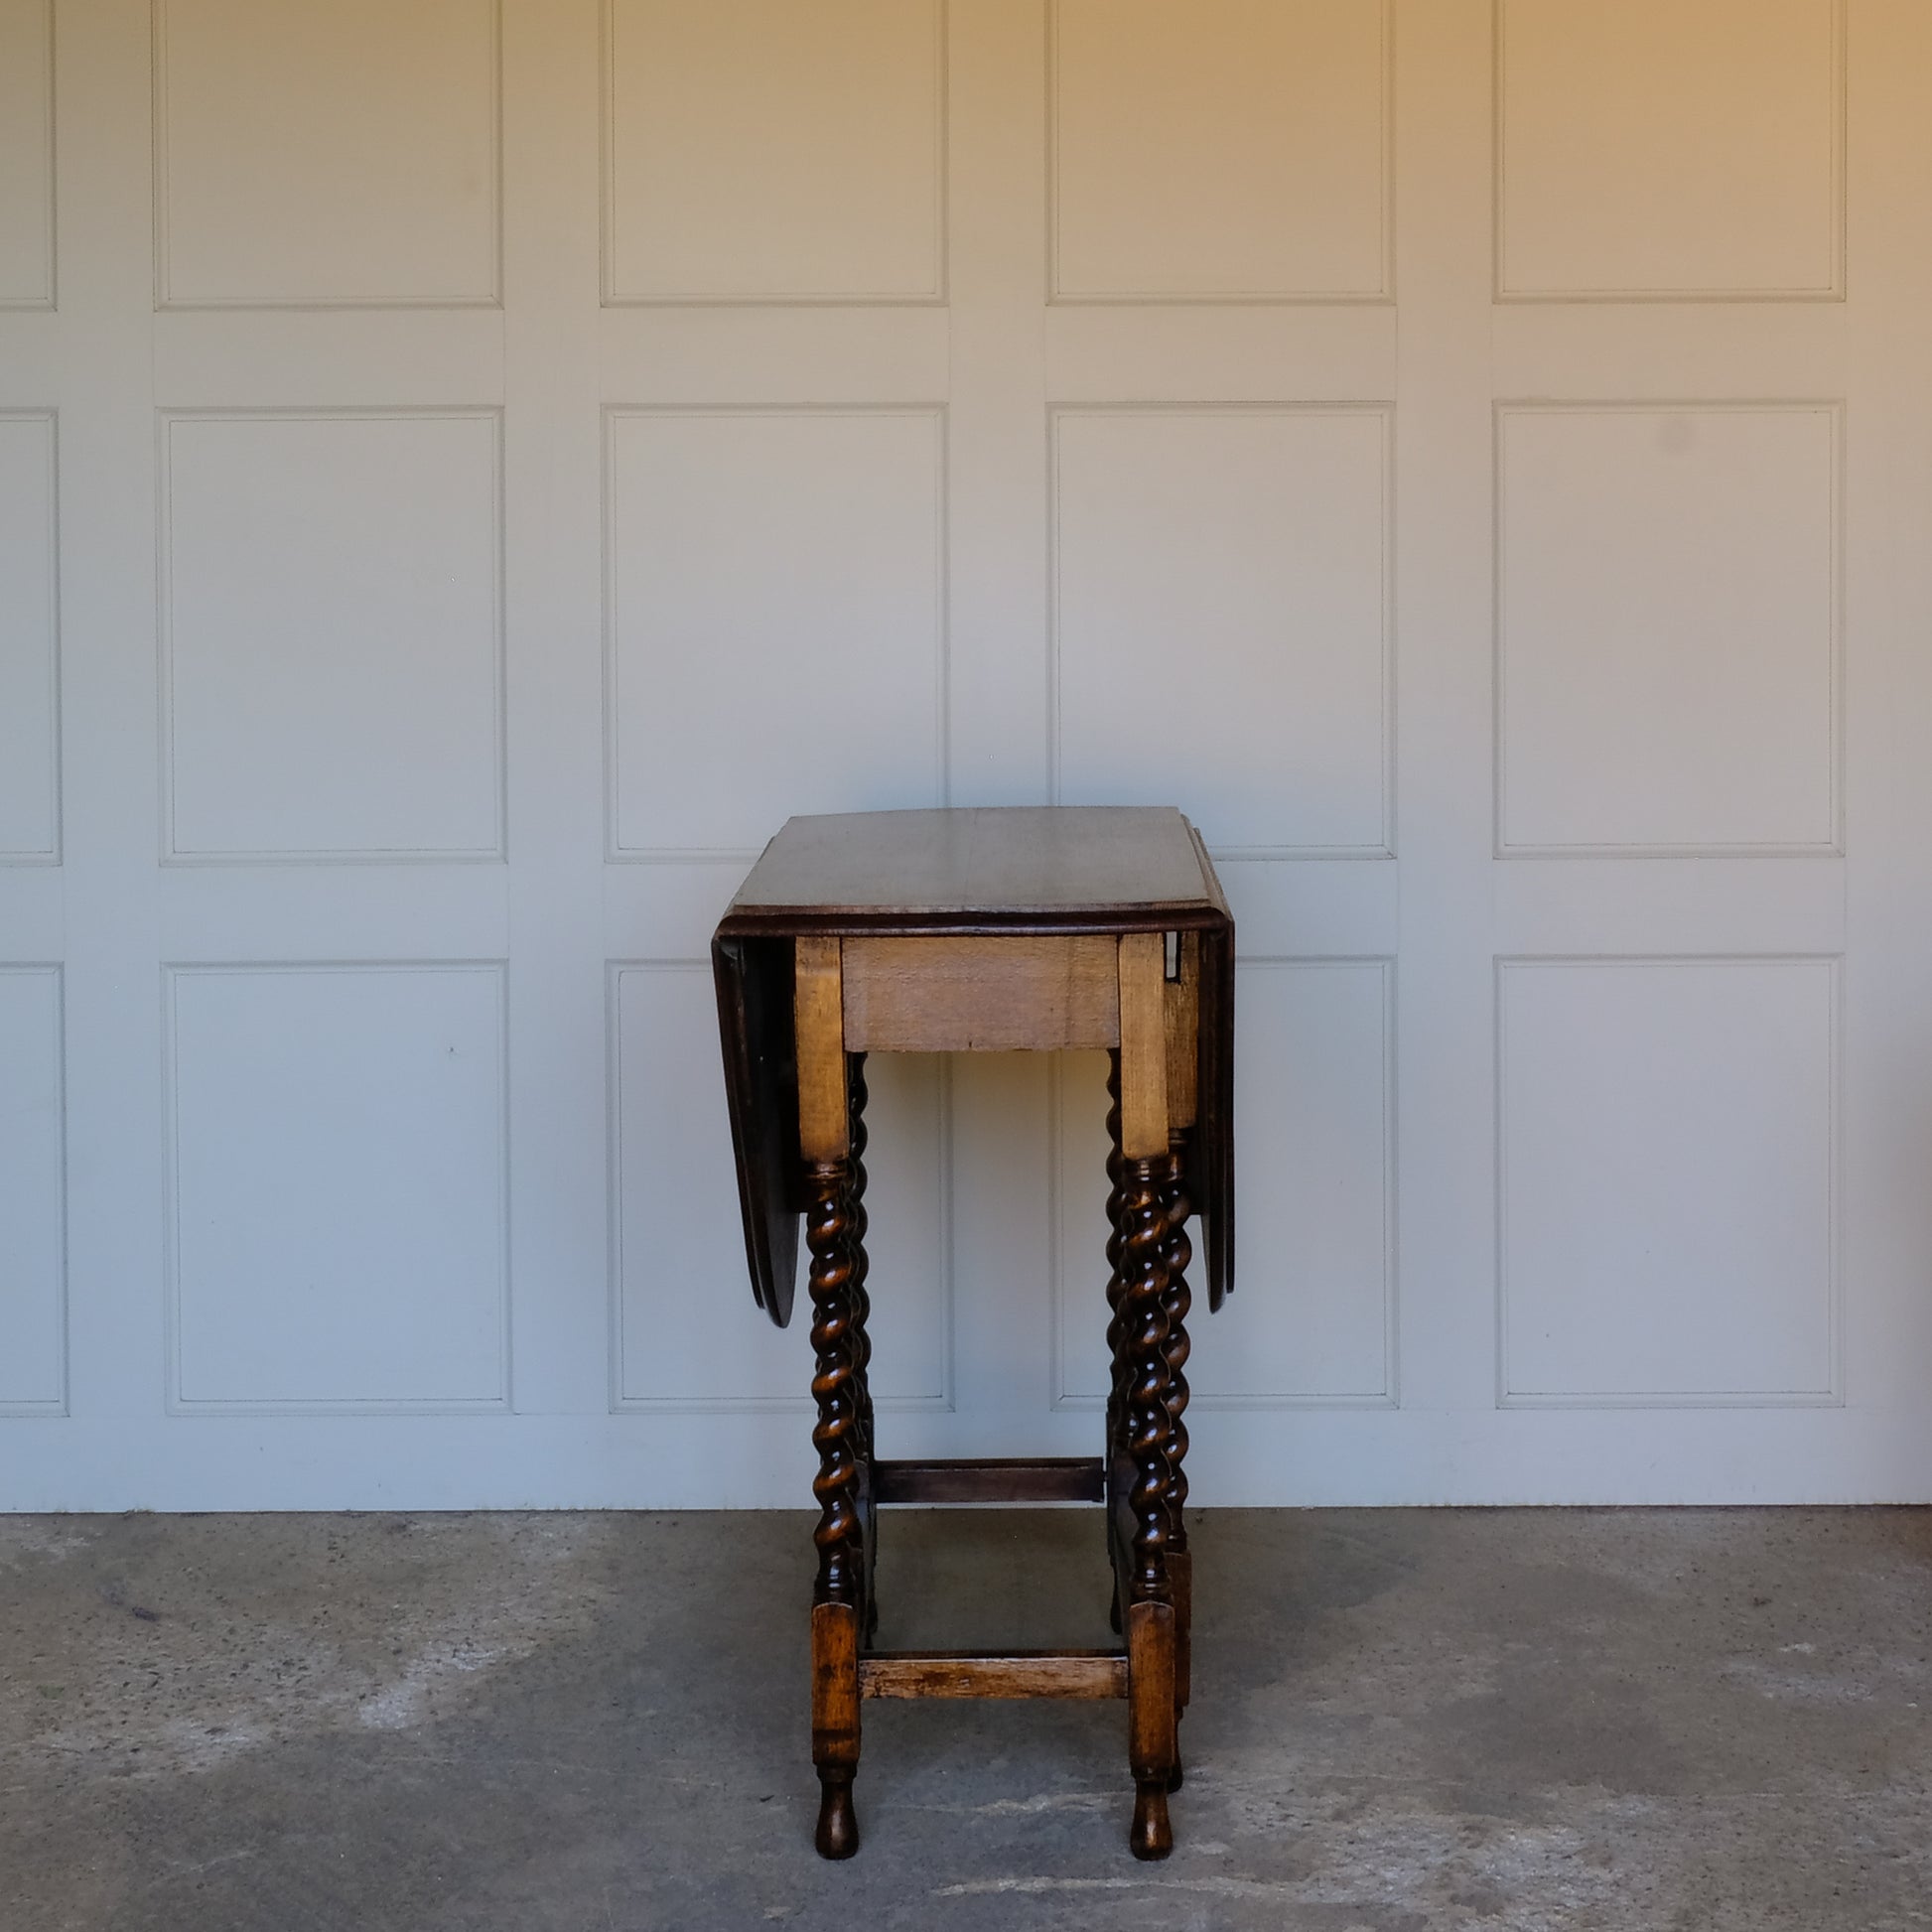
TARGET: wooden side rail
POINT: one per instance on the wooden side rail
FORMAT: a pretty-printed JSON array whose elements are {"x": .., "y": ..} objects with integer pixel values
[
  {"x": 971, "y": 994},
  {"x": 994, "y": 1674},
  {"x": 1055, "y": 1479}
]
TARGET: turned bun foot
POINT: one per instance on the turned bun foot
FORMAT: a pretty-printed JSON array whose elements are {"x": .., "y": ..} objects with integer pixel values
[
  {"x": 1151, "y": 1836},
  {"x": 838, "y": 1823}
]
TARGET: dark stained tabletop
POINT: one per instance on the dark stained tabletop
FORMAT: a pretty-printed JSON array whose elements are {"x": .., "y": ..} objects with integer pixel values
[{"x": 1099, "y": 864}]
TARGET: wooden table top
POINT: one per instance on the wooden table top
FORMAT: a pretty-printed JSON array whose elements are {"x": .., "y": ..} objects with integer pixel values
[{"x": 1111, "y": 867}]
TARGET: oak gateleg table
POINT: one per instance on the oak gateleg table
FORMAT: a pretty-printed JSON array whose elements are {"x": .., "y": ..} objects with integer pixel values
[{"x": 989, "y": 929}]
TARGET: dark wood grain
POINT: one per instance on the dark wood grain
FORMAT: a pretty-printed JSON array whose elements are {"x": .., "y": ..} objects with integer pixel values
[
  {"x": 835, "y": 1726},
  {"x": 994, "y": 1674},
  {"x": 1146, "y": 1330},
  {"x": 1002, "y": 1479},
  {"x": 1151, "y": 1740},
  {"x": 1103, "y": 868},
  {"x": 967, "y": 992},
  {"x": 837, "y": 1348},
  {"x": 1114, "y": 1487},
  {"x": 752, "y": 978},
  {"x": 1212, "y": 1146},
  {"x": 839, "y": 1591},
  {"x": 856, "y": 1224}
]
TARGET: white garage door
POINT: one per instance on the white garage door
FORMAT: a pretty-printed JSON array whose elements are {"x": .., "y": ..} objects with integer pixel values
[{"x": 466, "y": 473}]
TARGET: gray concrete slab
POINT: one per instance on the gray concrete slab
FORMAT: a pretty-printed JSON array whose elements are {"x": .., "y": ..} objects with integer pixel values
[{"x": 1697, "y": 1720}]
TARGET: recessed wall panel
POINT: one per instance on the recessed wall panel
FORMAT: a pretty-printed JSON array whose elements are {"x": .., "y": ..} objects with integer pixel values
[
  {"x": 1227, "y": 150},
  {"x": 33, "y": 1213},
  {"x": 25, "y": 154},
  {"x": 1667, "y": 611},
  {"x": 337, "y": 1141},
  {"x": 1669, "y": 148},
  {"x": 28, "y": 643},
  {"x": 331, "y": 633},
  {"x": 1221, "y": 619},
  {"x": 1667, "y": 1180},
  {"x": 759, "y": 150},
  {"x": 1311, "y": 1319},
  {"x": 687, "y": 1329},
  {"x": 777, "y": 621},
  {"x": 341, "y": 153}
]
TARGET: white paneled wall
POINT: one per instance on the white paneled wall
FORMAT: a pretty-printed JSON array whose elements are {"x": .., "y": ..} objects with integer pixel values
[
  {"x": 1664, "y": 1124},
  {"x": 331, "y": 636},
  {"x": 26, "y": 154},
  {"x": 32, "y": 1192},
  {"x": 469, "y": 469},
  {"x": 1258, "y": 541},
  {"x": 30, "y": 715},
  {"x": 1668, "y": 606},
  {"x": 733, "y": 137},
  {"x": 339, "y": 1216},
  {"x": 1158, "y": 111},
  {"x": 1670, "y": 151},
  {"x": 717, "y": 518},
  {"x": 343, "y": 155}
]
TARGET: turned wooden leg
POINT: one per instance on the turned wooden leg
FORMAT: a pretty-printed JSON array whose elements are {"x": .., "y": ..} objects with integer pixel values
[
  {"x": 838, "y": 1592},
  {"x": 855, "y": 1206},
  {"x": 1177, "y": 1302},
  {"x": 1151, "y": 1632},
  {"x": 835, "y": 1726},
  {"x": 1180, "y": 1573},
  {"x": 1150, "y": 1725}
]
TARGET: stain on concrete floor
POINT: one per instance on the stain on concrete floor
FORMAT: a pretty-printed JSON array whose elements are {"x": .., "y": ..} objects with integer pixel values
[{"x": 1505, "y": 1721}]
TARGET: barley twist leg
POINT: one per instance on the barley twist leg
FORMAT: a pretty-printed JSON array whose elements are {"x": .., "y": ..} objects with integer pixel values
[{"x": 838, "y": 1592}]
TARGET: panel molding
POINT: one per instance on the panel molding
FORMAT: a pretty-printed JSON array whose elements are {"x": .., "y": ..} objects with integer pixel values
[
  {"x": 1389, "y": 1396},
  {"x": 941, "y": 1403},
  {"x": 51, "y": 855},
  {"x": 165, "y": 299},
  {"x": 615, "y": 851},
  {"x": 1385, "y": 412},
  {"x": 171, "y": 855},
  {"x": 51, "y": 206},
  {"x": 1381, "y": 297},
  {"x": 1501, "y": 847},
  {"x": 1502, "y": 292},
  {"x": 58, "y": 1405},
  {"x": 1830, "y": 1397},
  {"x": 501, "y": 1400},
  {"x": 612, "y": 297}
]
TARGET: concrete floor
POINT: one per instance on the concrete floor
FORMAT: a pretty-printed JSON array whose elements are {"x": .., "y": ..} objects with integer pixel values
[{"x": 1697, "y": 1720}]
